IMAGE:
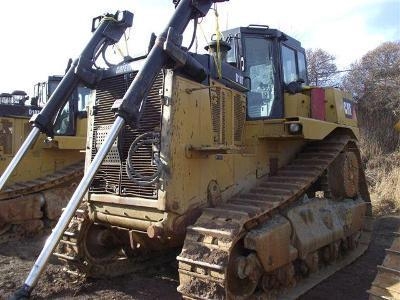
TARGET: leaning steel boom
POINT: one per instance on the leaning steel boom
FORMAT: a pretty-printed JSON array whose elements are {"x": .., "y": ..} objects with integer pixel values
[{"x": 166, "y": 48}]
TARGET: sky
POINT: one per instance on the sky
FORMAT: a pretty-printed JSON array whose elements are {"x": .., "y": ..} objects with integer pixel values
[{"x": 38, "y": 37}]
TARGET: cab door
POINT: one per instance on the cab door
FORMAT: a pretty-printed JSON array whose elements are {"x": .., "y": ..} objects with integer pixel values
[{"x": 264, "y": 101}]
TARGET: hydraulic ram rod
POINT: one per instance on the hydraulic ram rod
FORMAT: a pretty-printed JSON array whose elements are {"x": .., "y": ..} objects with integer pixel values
[
  {"x": 129, "y": 112},
  {"x": 109, "y": 32},
  {"x": 69, "y": 211},
  {"x": 135, "y": 97}
]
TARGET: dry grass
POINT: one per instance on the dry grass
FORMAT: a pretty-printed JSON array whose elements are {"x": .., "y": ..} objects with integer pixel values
[
  {"x": 383, "y": 175},
  {"x": 380, "y": 151}
]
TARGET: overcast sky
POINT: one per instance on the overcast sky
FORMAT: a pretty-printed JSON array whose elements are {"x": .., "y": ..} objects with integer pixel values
[{"x": 38, "y": 37}]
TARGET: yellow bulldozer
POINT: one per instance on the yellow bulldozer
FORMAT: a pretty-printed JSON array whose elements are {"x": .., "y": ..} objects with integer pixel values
[
  {"x": 40, "y": 187},
  {"x": 228, "y": 156}
]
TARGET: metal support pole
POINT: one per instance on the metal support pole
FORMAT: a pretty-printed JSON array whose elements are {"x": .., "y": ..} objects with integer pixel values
[
  {"x": 72, "y": 206},
  {"x": 33, "y": 135}
]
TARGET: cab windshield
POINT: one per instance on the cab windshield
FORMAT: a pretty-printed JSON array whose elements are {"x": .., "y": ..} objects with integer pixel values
[{"x": 260, "y": 69}]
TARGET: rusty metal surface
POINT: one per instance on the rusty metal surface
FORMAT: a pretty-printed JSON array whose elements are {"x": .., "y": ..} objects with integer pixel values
[
  {"x": 277, "y": 231},
  {"x": 16, "y": 210},
  {"x": 387, "y": 282},
  {"x": 24, "y": 205},
  {"x": 56, "y": 199},
  {"x": 210, "y": 253},
  {"x": 343, "y": 174}
]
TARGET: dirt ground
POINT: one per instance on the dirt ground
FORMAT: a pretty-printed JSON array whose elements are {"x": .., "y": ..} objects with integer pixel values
[{"x": 16, "y": 259}]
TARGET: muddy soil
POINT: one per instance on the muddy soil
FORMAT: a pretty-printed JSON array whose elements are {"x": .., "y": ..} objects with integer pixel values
[{"x": 16, "y": 259}]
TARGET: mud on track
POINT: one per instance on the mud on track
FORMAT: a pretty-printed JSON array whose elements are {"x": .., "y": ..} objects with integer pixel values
[{"x": 16, "y": 259}]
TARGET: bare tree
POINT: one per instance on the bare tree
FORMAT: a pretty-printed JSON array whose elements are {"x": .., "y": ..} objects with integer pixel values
[
  {"x": 374, "y": 81},
  {"x": 321, "y": 67}
]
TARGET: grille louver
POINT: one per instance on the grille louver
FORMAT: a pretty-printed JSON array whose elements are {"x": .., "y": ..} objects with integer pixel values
[
  {"x": 218, "y": 115},
  {"x": 239, "y": 110},
  {"x": 111, "y": 177}
]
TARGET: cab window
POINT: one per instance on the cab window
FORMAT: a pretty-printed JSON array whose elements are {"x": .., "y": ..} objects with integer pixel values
[
  {"x": 289, "y": 65},
  {"x": 83, "y": 98},
  {"x": 294, "y": 65},
  {"x": 231, "y": 56},
  {"x": 75, "y": 107},
  {"x": 260, "y": 70},
  {"x": 6, "y": 132},
  {"x": 63, "y": 124},
  {"x": 52, "y": 85},
  {"x": 302, "y": 66}
]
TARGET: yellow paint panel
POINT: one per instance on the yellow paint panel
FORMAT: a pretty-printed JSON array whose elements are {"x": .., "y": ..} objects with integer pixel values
[
  {"x": 70, "y": 142},
  {"x": 297, "y": 105},
  {"x": 317, "y": 129},
  {"x": 335, "y": 107},
  {"x": 190, "y": 121},
  {"x": 43, "y": 158}
]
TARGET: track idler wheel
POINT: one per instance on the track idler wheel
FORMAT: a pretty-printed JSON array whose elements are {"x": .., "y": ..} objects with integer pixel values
[
  {"x": 243, "y": 274},
  {"x": 88, "y": 247},
  {"x": 99, "y": 243},
  {"x": 343, "y": 176}
]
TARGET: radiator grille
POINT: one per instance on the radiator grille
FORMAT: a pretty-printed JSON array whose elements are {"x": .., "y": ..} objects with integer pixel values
[
  {"x": 218, "y": 115},
  {"x": 239, "y": 110},
  {"x": 112, "y": 177},
  {"x": 112, "y": 157}
]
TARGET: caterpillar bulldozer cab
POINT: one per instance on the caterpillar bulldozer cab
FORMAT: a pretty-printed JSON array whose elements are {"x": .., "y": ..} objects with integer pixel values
[
  {"x": 39, "y": 188},
  {"x": 272, "y": 61},
  {"x": 228, "y": 156},
  {"x": 67, "y": 120}
]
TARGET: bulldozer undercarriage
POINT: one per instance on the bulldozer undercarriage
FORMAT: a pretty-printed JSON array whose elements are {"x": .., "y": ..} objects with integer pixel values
[
  {"x": 218, "y": 259},
  {"x": 25, "y": 205},
  {"x": 214, "y": 263},
  {"x": 90, "y": 250}
]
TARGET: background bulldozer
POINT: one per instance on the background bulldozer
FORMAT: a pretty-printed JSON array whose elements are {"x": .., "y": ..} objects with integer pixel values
[
  {"x": 39, "y": 187},
  {"x": 228, "y": 156}
]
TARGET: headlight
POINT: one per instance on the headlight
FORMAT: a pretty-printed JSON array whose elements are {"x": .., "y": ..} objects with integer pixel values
[{"x": 294, "y": 128}]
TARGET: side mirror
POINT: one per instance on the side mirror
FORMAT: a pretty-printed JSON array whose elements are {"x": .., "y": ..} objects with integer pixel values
[{"x": 294, "y": 87}]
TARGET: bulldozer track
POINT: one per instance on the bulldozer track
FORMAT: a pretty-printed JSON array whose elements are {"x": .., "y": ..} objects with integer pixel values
[
  {"x": 387, "y": 281},
  {"x": 14, "y": 197},
  {"x": 19, "y": 189},
  {"x": 71, "y": 252},
  {"x": 205, "y": 258}
]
